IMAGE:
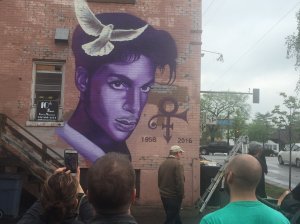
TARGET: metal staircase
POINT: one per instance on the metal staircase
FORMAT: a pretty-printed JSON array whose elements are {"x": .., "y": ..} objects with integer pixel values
[{"x": 32, "y": 158}]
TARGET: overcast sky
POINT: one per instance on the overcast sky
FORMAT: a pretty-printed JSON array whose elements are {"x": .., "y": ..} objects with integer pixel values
[{"x": 251, "y": 36}]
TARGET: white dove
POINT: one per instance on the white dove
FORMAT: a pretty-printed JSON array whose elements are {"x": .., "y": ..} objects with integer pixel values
[{"x": 105, "y": 33}]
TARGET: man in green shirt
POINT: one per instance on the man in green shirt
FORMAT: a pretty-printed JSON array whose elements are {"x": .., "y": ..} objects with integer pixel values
[{"x": 242, "y": 175}]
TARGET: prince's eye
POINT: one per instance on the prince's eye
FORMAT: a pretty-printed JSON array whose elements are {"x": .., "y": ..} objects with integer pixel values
[
  {"x": 145, "y": 89},
  {"x": 117, "y": 85}
]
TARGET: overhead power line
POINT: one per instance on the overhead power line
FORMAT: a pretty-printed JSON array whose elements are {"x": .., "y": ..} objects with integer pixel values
[
  {"x": 257, "y": 42},
  {"x": 208, "y": 7}
]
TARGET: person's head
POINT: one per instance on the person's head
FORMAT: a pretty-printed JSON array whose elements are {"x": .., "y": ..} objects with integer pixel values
[
  {"x": 243, "y": 174},
  {"x": 114, "y": 87},
  {"x": 59, "y": 196},
  {"x": 255, "y": 149},
  {"x": 176, "y": 151},
  {"x": 111, "y": 184}
]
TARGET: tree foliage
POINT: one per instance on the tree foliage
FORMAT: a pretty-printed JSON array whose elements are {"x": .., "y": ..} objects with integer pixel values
[
  {"x": 288, "y": 116},
  {"x": 261, "y": 128},
  {"x": 239, "y": 125},
  {"x": 224, "y": 106},
  {"x": 293, "y": 47},
  {"x": 220, "y": 105}
]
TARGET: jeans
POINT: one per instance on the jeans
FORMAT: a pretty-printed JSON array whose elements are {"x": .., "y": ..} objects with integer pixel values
[{"x": 172, "y": 208}]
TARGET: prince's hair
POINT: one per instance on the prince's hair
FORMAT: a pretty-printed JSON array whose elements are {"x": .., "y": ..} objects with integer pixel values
[{"x": 157, "y": 45}]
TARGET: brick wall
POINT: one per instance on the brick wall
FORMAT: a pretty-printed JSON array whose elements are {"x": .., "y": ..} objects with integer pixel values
[{"x": 28, "y": 30}]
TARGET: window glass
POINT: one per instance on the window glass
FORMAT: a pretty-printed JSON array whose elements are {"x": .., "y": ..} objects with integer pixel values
[{"x": 47, "y": 95}]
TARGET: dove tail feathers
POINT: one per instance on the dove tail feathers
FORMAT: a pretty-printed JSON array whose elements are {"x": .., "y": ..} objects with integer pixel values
[{"x": 93, "y": 48}]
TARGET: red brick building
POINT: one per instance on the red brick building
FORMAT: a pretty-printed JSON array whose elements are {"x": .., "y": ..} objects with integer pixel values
[{"x": 37, "y": 67}]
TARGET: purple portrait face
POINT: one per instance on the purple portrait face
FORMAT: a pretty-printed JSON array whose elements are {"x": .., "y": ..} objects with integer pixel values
[{"x": 117, "y": 95}]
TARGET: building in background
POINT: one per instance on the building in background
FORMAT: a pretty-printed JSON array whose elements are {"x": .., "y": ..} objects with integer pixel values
[{"x": 38, "y": 91}]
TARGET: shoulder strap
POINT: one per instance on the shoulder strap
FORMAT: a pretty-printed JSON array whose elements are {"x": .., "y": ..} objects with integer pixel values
[
  {"x": 79, "y": 198},
  {"x": 290, "y": 204},
  {"x": 295, "y": 217}
]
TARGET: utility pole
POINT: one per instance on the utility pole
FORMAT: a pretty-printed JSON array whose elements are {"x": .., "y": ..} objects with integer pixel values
[
  {"x": 290, "y": 139},
  {"x": 228, "y": 128}
]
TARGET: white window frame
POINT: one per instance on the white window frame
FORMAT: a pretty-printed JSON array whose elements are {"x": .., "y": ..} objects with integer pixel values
[{"x": 33, "y": 107}]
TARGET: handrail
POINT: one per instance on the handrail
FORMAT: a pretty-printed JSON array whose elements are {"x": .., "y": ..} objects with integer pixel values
[{"x": 4, "y": 118}]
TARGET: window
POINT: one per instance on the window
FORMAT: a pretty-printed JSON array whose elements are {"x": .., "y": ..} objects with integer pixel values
[
  {"x": 114, "y": 1},
  {"x": 47, "y": 93}
]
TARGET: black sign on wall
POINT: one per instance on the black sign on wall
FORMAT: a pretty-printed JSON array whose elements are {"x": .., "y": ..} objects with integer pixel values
[{"x": 47, "y": 110}]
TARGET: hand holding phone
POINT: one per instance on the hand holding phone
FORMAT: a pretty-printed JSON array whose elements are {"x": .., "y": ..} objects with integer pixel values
[{"x": 71, "y": 160}]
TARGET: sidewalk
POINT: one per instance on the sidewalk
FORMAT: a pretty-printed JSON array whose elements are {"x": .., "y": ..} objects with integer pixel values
[{"x": 156, "y": 215}]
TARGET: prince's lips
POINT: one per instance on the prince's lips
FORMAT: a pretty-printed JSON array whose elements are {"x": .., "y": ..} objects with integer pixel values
[{"x": 125, "y": 124}]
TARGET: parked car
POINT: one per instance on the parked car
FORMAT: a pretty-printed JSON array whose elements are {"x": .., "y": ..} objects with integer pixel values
[
  {"x": 284, "y": 156},
  {"x": 214, "y": 147},
  {"x": 207, "y": 162},
  {"x": 269, "y": 148},
  {"x": 269, "y": 152}
]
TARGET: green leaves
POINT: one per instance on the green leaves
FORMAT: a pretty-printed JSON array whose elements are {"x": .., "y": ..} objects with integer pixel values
[
  {"x": 261, "y": 128},
  {"x": 224, "y": 106},
  {"x": 287, "y": 115},
  {"x": 293, "y": 47},
  {"x": 283, "y": 117}
]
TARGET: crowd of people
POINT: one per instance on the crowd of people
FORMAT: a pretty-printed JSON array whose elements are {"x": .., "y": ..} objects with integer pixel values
[{"x": 111, "y": 192}]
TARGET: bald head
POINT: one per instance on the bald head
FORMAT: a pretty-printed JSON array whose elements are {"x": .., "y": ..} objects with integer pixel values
[{"x": 246, "y": 172}]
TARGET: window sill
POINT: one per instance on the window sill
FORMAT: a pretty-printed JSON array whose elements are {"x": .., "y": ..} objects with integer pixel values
[
  {"x": 114, "y": 1},
  {"x": 45, "y": 123}
]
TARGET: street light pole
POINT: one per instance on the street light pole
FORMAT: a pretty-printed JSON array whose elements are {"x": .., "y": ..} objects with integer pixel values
[
  {"x": 228, "y": 128},
  {"x": 290, "y": 139},
  {"x": 220, "y": 58}
]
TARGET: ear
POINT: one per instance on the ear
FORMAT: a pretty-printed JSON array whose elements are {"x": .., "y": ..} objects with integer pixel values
[
  {"x": 81, "y": 78},
  {"x": 133, "y": 196},
  {"x": 229, "y": 177},
  {"x": 87, "y": 194}
]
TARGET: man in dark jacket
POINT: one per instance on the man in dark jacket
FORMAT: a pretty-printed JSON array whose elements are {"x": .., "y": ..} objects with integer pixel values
[
  {"x": 256, "y": 150},
  {"x": 171, "y": 184},
  {"x": 111, "y": 189}
]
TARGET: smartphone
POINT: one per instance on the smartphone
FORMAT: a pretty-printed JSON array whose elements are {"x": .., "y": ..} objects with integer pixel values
[{"x": 71, "y": 160}]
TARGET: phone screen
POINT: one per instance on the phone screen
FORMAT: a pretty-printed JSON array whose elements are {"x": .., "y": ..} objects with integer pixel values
[{"x": 71, "y": 160}]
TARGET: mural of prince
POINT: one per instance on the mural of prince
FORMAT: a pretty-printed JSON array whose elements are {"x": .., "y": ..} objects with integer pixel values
[{"x": 116, "y": 57}]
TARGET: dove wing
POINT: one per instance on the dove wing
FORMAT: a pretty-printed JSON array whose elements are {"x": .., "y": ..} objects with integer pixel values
[
  {"x": 98, "y": 47},
  {"x": 86, "y": 18},
  {"x": 125, "y": 35}
]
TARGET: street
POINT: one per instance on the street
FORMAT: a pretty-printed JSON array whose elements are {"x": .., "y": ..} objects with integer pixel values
[{"x": 278, "y": 175}]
